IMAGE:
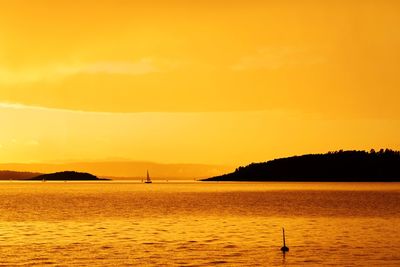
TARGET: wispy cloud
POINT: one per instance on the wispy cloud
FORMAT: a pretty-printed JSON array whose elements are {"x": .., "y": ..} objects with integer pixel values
[
  {"x": 143, "y": 66},
  {"x": 18, "y": 106},
  {"x": 32, "y": 143},
  {"x": 58, "y": 71},
  {"x": 272, "y": 58},
  {"x": 12, "y": 106}
]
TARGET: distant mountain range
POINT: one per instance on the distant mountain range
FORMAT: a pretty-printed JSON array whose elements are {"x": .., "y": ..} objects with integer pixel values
[
  {"x": 57, "y": 176},
  {"x": 15, "y": 175},
  {"x": 123, "y": 169},
  {"x": 338, "y": 166}
]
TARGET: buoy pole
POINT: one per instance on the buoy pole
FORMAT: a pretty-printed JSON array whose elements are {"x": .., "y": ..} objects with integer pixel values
[
  {"x": 284, "y": 248},
  {"x": 284, "y": 240}
]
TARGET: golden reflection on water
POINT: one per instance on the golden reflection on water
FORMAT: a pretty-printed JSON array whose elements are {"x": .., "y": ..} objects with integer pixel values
[{"x": 199, "y": 224}]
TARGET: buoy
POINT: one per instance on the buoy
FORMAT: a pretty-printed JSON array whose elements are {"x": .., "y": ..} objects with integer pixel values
[{"x": 284, "y": 248}]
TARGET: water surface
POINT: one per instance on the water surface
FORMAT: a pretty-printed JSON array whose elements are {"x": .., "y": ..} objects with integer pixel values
[{"x": 199, "y": 224}]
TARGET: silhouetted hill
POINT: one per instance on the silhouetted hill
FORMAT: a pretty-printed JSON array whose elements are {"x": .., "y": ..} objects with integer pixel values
[
  {"x": 13, "y": 175},
  {"x": 125, "y": 169},
  {"x": 67, "y": 176},
  {"x": 340, "y": 166}
]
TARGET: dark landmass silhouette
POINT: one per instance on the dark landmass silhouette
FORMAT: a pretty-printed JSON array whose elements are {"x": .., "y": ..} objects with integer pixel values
[
  {"x": 338, "y": 166},
  {"x": 14, "y": 175},
  {"x": 67, "y": 176},
  {"x": 126, "y": 169}
]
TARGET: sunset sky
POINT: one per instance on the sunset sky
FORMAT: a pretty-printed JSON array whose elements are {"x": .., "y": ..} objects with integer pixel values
[{"x": 211, "y": 82}]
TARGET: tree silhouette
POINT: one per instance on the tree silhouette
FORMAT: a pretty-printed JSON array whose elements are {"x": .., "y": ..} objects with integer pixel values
[{"x": 336, "y": 166}]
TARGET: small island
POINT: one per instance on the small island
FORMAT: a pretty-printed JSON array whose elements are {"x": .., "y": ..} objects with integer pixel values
[
  {"x": 338, "y": 166},
  {"x": 67, "y": 176}
]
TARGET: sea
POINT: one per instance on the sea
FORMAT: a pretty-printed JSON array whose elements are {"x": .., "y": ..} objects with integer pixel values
[{"x": 188, "y": 223}]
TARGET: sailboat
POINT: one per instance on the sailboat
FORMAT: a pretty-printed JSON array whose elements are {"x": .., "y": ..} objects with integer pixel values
[{"x": 148, "y": 180}]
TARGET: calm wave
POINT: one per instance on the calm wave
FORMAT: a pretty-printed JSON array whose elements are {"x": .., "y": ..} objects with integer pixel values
[{"x": 199, "y": 224}]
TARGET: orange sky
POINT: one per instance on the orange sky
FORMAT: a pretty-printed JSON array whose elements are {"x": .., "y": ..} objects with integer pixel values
[{"x": 214, "y": 82}]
